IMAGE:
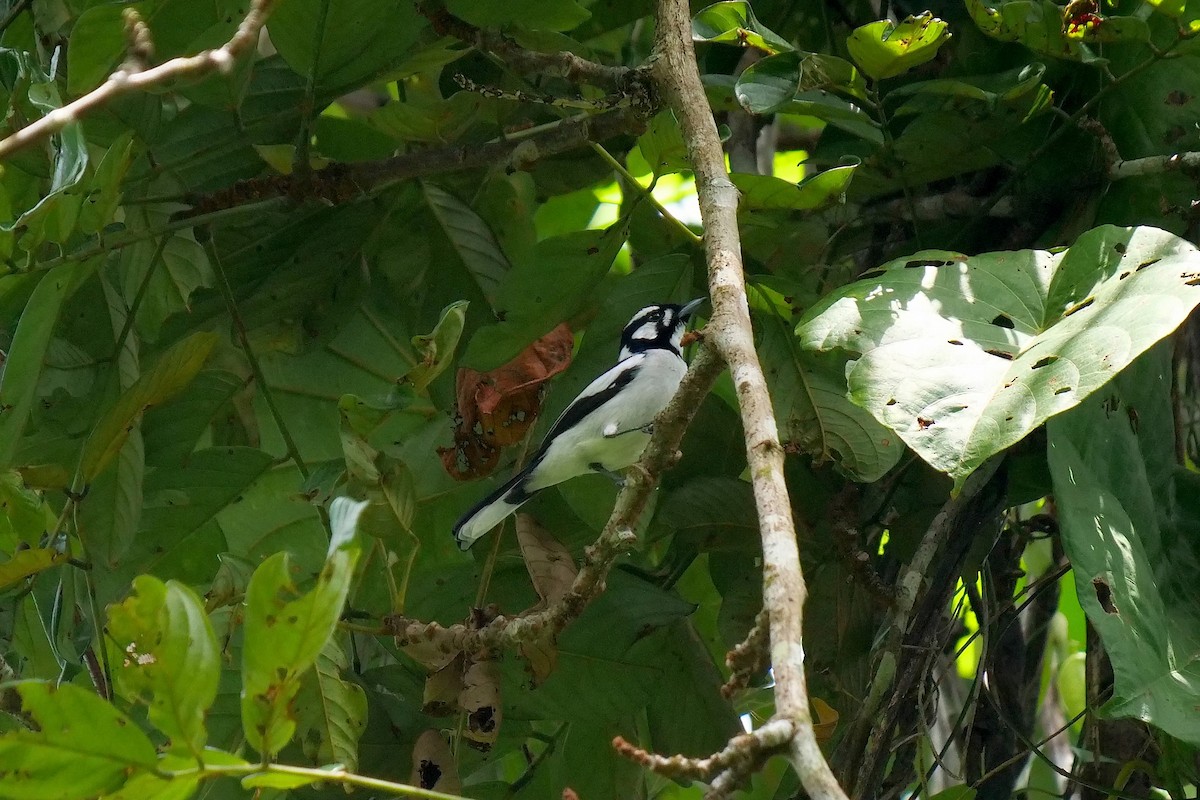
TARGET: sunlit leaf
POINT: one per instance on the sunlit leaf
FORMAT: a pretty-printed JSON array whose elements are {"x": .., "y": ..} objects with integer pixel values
[
  {"x": 734, "y": 22},
  {"x": 964, "y": 356},
  {"x": 885, "y": 49}
]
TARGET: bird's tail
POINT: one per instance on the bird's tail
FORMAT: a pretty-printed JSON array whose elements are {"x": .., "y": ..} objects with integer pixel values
[{"x": 492, "y": 510}]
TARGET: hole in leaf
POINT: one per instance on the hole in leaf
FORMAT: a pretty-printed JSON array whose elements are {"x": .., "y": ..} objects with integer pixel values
[
  {"x": 999, "y": 354},
  {"x": 1104, "y": 596},
  {"x": 954, "y": 341},
  {"x": 1062, "y": 390},
  {"x": 923, "y": 423},
  {"x": 926, "y": 262},
  {"x": 1124, "y": 275},
  {"x": 430, "y": 773},
  {"x": 1003, "y": 321},
  {"x": 873, "y": 273},
  {"x": 890, "y": 402},
  {"x": 1145, "y": 264}
]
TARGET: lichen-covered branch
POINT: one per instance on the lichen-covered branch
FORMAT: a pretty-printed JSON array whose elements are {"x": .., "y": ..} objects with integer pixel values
[
  {"x": 131, "y": 76},
  {"x": 1155, "y": 165},
  {"x": 729, "y": 330},
  {"x": 616, "y": 538},
  {"x": 750, "y": 657}
]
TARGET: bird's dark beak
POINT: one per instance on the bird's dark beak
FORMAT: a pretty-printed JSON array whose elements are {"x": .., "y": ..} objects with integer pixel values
[{"x": 687, "y": 310}]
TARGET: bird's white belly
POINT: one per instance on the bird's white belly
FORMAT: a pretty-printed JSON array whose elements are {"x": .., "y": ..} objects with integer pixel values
[{"x": 592, "y": 442}]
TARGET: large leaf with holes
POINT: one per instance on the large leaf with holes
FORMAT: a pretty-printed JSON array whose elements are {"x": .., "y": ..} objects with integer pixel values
[
  {"x": 1130, "y": 529},
  {"x": 963, "y": 356}
]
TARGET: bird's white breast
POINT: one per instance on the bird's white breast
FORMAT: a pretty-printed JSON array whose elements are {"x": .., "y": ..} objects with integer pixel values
[{"x": 592, "y": 440}]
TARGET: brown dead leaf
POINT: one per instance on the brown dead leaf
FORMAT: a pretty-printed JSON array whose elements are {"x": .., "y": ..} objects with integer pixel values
[
  {"x": 433, "y": 765},
  {"x": 480, "y": 699},
  {"x": 541, "y": 657},
  {"x": 550, "y": 565},
  {"x": 432, "y": 653},
  {"x": 497, "y": 408},
  {"x": 442, "y": 689}
]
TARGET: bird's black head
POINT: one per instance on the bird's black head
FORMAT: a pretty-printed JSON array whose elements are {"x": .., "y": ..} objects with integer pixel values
[{"x": 657, "y": 327}]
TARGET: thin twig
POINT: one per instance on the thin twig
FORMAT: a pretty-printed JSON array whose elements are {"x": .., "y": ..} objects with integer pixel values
[
  {"x": 129, "y": 78},
  {"x": 749, "y": 657},
  {"x": 239, "y": 326},
  {"x": 784, "y": 590}
]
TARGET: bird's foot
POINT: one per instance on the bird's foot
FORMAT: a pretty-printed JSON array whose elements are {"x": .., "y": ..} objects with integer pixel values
[{"x": 615, "y": 477}]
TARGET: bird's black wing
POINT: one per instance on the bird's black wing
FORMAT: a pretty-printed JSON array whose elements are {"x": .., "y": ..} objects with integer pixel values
[{"x": 585, "y": 404}]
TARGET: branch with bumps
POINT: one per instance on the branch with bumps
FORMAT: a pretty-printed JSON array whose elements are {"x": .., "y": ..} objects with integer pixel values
[
  {"x": 729, "y": 331},
  {"x": 616, "y": 538}
]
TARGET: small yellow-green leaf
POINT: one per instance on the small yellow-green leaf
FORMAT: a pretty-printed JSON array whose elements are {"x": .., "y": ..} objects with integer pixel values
[
  {"x": 436, "y": 349},
  {"x": 174, "y": 370},
  {"x": 884, "y": 49},
  {"x": 28, "y": 562}
]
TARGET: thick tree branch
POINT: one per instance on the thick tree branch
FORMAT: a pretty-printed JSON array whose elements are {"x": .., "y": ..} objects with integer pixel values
[
  {"x": 342, "y": 182},
  {"x": 1155, "y": 165},
  {"x": 616, "y": 538},
  {"x": 131, "y": 77},
  {"x": 729, "y": 330}
]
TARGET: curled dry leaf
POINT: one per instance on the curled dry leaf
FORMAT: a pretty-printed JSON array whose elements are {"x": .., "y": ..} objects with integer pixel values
[
  {"x": 442, "y": 689},
  {"x": 433, "y": 765},
  {"x": 827, "y": 719},
  {"x": 550, "y": 565},
  {"x": 497, "y": 408},
  {"x": 480, "y": 699},
  {"x": 433, "y": 652}
]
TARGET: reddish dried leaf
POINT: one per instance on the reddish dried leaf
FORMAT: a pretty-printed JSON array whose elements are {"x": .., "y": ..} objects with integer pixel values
[
  {"x": 433, "y": 765},
  {"x": 497, "y": 408}
]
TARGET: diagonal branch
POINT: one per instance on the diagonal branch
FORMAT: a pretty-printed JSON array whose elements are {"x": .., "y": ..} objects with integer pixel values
[
  {"x": 729, "y": 330},
  {"x": 131, "y": 77},
  {"x": 616, "y": 538}
]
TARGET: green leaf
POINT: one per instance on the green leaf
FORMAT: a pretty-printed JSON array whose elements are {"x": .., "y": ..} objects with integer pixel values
[
  {"x": 769, "y": 85},
  {"x": 343, "y": 43},
  {"x": 471, "y": 237},
  {"x": 164, "y": 653},
  {"x": 29, "y": 562},
  {"x": 26, "y": 517},
  {"x": 83, "y": 747},
  {"x": 808, "y": 391},
  {"x": 18, "y": 390},
  {"x": 1037, "y": 24},
  {"x": 107, "y": 520},
  {"x": 734, "y": 23},
  {"x": 990, "y": 89},
  {"x": 538, "y": 295},
  {"x": 286, "y": 631},
  {"x": 1132, "y": 546},
  {"x": 333, "y": 711},
  {"x": 662, "y": 145},
  {"x": 436, "y": 349},
  {"x": 825, "y": 189},
  {"x": 884, "y": 49},
  {"x": 963, "y": 356},
  {"x": 173, "y": 371}
]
